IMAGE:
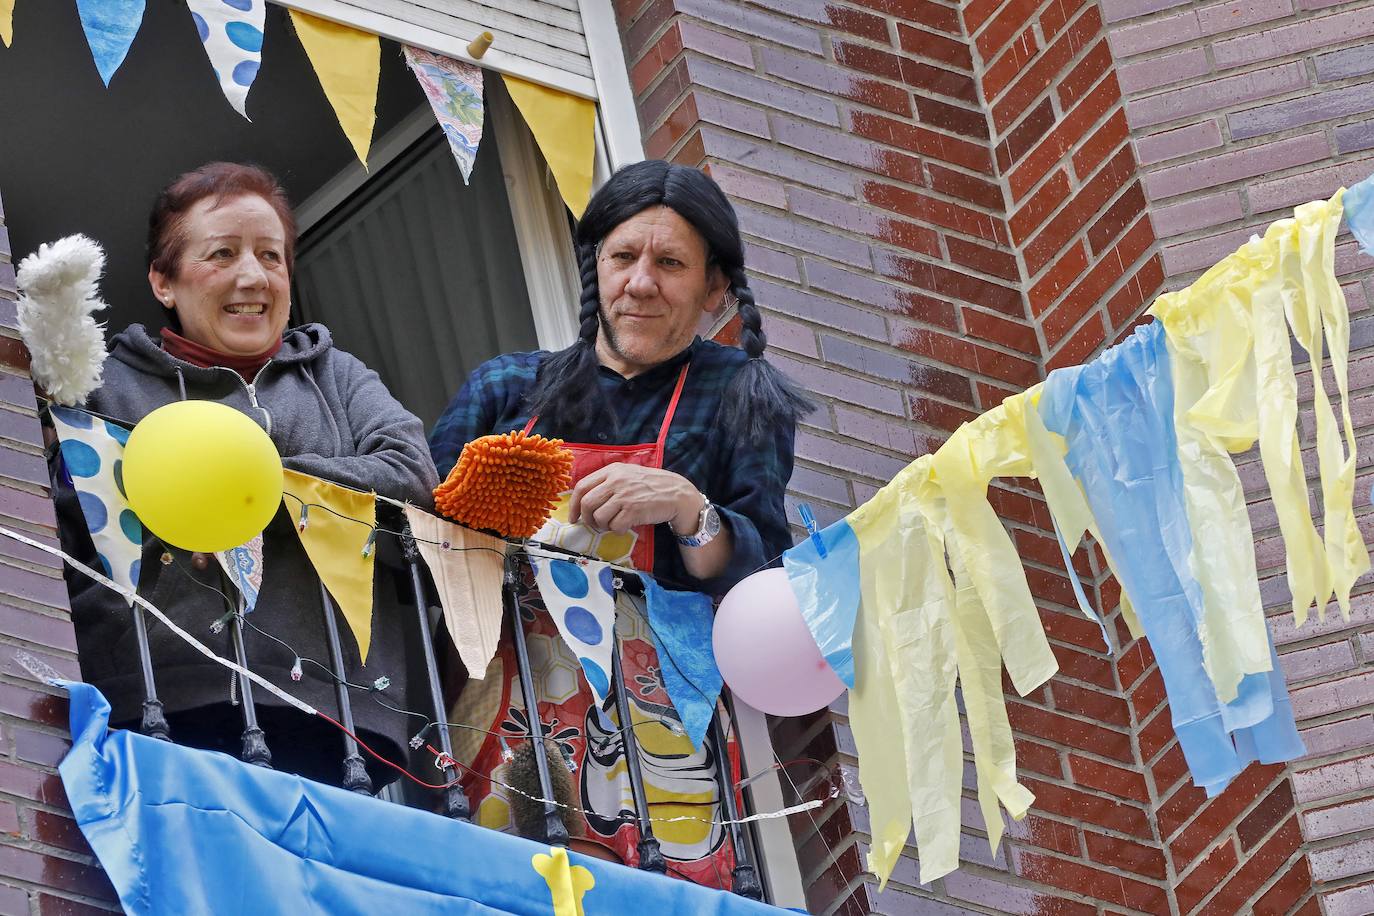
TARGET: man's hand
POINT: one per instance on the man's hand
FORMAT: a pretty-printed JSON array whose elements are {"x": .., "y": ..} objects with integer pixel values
[{"x": 623, "y": 496}]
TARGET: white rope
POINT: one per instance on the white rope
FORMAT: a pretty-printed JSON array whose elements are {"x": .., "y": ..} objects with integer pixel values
[{"x": 132, "y": 595}]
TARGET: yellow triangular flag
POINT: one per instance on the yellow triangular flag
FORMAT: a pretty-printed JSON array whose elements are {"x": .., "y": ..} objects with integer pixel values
[
  {"x": 564, "y": 126},
  {"x": 349, "y": 64},
  {"x": 468, "y": 568},
  {"x": 7, "y": 21},
  {"x": 336, "y": 544}
]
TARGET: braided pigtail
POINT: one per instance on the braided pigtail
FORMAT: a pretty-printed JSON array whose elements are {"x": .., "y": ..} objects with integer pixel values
[
  {"x": 760, "y": 398},
  {"x": 568, "y": 388}
]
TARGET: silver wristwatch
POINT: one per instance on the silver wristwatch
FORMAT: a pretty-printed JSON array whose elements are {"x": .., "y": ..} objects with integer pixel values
[{"x": 708, "y": 526}]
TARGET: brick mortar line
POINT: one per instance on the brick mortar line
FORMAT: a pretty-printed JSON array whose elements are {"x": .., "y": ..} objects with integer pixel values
[{"x": 1051, "y": 87}]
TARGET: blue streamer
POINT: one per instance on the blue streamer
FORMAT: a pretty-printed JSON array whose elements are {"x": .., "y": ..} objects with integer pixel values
[
  {"x": 110, "y": 27},
  {"x": 680, "y": 623},
  {"x": 1359, "y": 213},
  {"x": 824, "y": 572}
]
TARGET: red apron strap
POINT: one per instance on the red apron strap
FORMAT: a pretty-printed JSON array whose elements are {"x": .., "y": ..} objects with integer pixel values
[
  {"x": 672, "y": 409},
  {"x": 529, "y": 427}
]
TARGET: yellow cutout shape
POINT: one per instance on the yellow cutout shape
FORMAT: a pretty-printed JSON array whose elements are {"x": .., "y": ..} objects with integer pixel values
[
  {"x": 567, "y": 883},
  {"x": 349, "y": 64},
  {"x": 7, "y": 22},
  {"x": 564, "y": 126}
]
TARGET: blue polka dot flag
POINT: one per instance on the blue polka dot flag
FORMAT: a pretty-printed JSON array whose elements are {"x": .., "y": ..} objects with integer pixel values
[
  {"x": 93, "y": 454},
  {"x": 231, "y": 31},
  {"x": 581, "y": 600}
]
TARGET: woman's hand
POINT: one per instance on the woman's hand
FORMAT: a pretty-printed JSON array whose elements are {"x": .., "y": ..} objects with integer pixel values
[{"x": 623, "y": 496}]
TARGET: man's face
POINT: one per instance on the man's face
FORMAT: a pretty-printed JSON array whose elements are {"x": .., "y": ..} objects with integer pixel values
[{"x": 655, "y": 284}]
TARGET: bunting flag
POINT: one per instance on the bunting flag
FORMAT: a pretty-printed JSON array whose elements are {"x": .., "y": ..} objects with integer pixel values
[
  {"x": 7, "y": 22},
  {"x": 454, "y": 90},
  {"x": 231, "y": 31},
  {"x": 93, "y": 454},
  {"x": 468, "y": 569},
  {"x": 244, "y": 565},
  {"x": 349, "y": 64},
  {"x": 110, "y": 27},
  {"x": 564, "y": 126},
  {"x": 681, "y": 623},
  {"x": 337, "y": 527},
  {"x": 580, "y": 598}
]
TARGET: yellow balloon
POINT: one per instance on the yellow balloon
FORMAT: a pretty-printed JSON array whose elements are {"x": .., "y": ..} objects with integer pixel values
[{"x": 202, "y": 476}]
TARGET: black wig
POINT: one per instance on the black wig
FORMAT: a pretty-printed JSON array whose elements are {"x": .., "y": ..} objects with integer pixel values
[{"x": 760, "y": 397}]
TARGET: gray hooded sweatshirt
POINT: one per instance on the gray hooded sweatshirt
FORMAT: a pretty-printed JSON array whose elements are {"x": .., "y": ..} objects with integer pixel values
[{"x": 330, "y": 416}]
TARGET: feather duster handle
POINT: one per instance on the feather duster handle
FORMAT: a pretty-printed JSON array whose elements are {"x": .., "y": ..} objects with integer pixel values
[{"x": 58, "y": 295}]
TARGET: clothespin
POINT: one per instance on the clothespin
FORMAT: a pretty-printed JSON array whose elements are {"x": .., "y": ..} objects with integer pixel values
[
  {"x": 371, "y": 543},
  {"x": 305, "y": 517},
  {"x": 809, "y": 520},
  {"x": 479, "y": 45}
]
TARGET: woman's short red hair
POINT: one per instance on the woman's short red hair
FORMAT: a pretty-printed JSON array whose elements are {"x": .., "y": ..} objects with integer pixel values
[{"x": 224, "y": 181}]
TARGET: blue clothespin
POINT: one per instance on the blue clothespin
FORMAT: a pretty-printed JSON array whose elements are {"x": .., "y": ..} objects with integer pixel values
[{"x": 809, "y": 520}]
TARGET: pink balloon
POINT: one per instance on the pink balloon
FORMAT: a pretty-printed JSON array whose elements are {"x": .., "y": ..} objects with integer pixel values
[{"x": 766, "y": 652}]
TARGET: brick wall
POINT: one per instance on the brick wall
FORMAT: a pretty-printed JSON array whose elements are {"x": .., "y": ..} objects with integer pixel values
[
  {"x": 944, "y": 201},
  {"x": 45, "y": 865},
  {"x": 1240, "y": 111}
]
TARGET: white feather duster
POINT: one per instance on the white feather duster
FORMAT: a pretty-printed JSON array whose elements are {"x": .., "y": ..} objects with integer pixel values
[{"x": 58, "y": 295}]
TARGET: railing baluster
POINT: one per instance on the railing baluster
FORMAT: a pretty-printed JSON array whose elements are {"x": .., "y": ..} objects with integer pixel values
[
  {"x": 650, "y": 855},
  {"x": 455, "y": 800},
  {"x": 555, "y": 831},
  {"x": 255, "y": 749},
  {"x": 154, "y": 721},
  {"x": 355, "y": 777},
  {"x": 745, "y": 878}
]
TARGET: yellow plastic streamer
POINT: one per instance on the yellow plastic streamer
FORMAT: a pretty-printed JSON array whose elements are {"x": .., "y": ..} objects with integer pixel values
[
  {"x": 7, "y": 22},
  {"x": 337, "y": 544},
  {"x": 349, "y": 64},
  {"x": 564, "y": 126}
]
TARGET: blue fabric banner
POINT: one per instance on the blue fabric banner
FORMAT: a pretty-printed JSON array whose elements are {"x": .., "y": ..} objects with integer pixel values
[
  {"x": 110, "y": 27},
  {"x": 186, "y": 831},
  {"x": 1359, "y": 213},
  {"x": 680, "y": 623}
]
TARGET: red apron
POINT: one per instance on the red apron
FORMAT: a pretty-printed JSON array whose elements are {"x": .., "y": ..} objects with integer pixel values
[
  {"x": 589, "y": 458},
  {"x": 679, "y": 781}
]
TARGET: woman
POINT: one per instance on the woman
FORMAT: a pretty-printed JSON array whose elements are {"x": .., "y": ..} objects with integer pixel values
[
  {"x": 221, "y": 242},
  {"x": 682, "y": 452}
]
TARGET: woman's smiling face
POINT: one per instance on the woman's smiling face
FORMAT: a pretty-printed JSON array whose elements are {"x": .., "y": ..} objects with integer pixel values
[{"x": 231, "y": 290}]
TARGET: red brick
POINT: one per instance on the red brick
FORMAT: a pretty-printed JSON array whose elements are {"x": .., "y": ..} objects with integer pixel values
[
  {"x": 1038, "y": 758},
  {"x": 61, "y": 906},
  {"x": 1155, "y": 734},
  {"x": 1053, "y": 588},
  {"x": 999, "y": 330},
  {"x": 1002, "y": 28},
  {"x": 936, "y": 47},
  {"x": 1092, "y": 882},
  {"x": 1108, "y": 269},
  {"x": 939, "y": 414},
  {"x": 1046, "y": 68},
  {"x": 1046, "y": 834},
  {"x": 1277, "y": 805},
  {"x": 1311, "y": 908},
  {"x": 656, "y": 59},
  {"x": 932, "y": 15},
  {"x": 989, "y": 396},
  {"x": 1084, "y": 667},
  {"x": 1013, "y": 60},
  {"x": 929, "y": 143},
  {"x": 1214, "y": 816},
  {"x": 1140, "y": 290},
  {"x": 59, "y": 831},
  {"x": 1133, "y": 662},
  {"x": 1023, "y": 137},
  {"x": 1205, "y": 876},
  {"x": 1148, "y": 695},
  {"x": 14, "y": 355},
  {"x": 1080, "y": 346},
  {"x": 1258, "y": 867},
  {"x": 953, "y": 118},
  {"x": 977, "y": 12},
  {"x": 1039, "y": 206},
  {"x": 52, "y": 871},
  {"x": 1067, "y": 133},
  {"x": 981, "y": 258},
  {"x": 1169, "y": 769},
  {"x": 964, "y": 186},
  {"x": 1060, "y": 729},
  {"x": 930, "y": 209},
  {"x": 1063, "y": 318},
  {"x": 1115, "y": 852},
  {"x": 1117, "y": 781},
  {"x": 1083, "y": 206},
  {"x": 953, "y": 284},
  {"x": 1057, "y": 15},
  {"x": 1084, "y": 74},
  {"x": 855, "y": 22},
  {"x": 1288, "y": 890},
  {"x": 964, "y": 354},
  {"x": 1016, "y": 507},
  {"x": 1103, "y": 143}
]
